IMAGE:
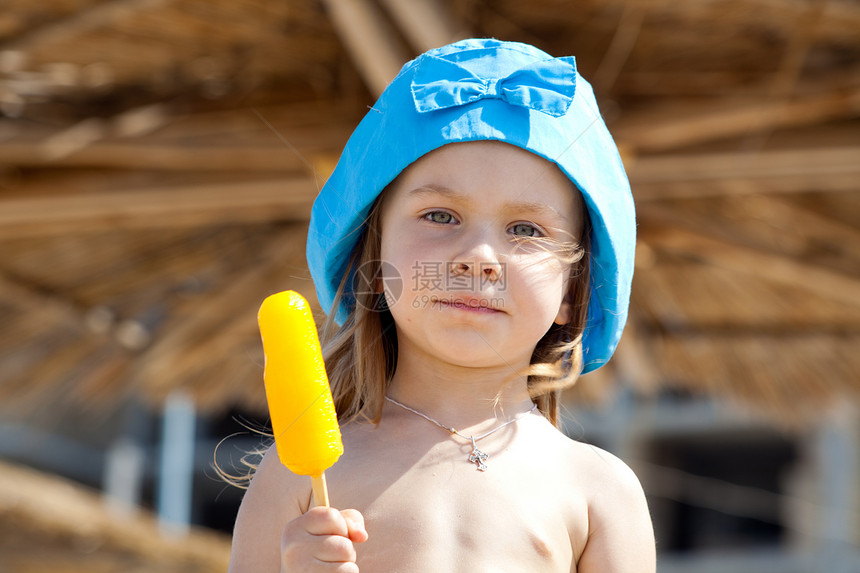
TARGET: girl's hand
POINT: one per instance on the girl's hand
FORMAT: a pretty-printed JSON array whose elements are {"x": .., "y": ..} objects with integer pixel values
[{"x": 322, "y": 540}]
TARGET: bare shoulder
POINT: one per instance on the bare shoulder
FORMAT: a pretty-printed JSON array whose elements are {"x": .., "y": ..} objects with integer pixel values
[
  {"x": 274, "y": 497},
  {"x": 595, "y": 467},
  {"x": 620, "y": 534},
  {"x": 602, "y": 471}
]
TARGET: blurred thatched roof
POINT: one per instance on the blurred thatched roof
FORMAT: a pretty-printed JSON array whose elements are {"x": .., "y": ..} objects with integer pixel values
[{"x": 158, "y": 159}]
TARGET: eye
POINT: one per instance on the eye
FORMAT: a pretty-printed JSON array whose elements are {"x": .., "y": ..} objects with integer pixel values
[
  {"x": 441, "y": 217},
  {"x": 525, "y": 230}
]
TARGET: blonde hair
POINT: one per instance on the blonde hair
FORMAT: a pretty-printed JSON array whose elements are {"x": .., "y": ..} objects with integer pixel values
[{"x": 361, "y": 354}]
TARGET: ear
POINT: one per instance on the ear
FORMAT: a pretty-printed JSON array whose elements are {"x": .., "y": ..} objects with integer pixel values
[{"x": 564, "y": 313}]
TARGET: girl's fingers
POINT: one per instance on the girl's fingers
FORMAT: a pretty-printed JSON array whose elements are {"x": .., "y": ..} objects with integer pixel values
[
  {"x": 334, "y": 549},
  {"x": 324, "y": 521},
  {"x": 355, "y": 525},
  {"x": 338, "y": 568},
  {"x": 322, "y": 539}
]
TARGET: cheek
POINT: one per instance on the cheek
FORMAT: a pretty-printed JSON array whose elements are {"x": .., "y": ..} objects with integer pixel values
[
  {"x": 402, "y": 270},
  {"x": 416, "y": 260},
  {"x": 543, "y": 272},
  {"x": 544, "y": 289},
  {"x": 541, "y": 282}
]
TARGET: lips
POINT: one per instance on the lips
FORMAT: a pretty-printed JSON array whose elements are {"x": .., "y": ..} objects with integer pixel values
[{"x": 470, "y": 305}]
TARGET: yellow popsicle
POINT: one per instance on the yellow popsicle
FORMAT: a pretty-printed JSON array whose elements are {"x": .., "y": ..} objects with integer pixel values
[{"x": 304, "y": 421}]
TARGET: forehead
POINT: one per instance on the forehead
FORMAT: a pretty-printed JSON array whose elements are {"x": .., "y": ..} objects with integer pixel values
[
  {"x": 490, "y": 172},
  {"x": 485, "y": 157}
]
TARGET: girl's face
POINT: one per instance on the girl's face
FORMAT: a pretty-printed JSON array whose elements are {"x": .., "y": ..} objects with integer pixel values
[{"x": 473, "y": 231}]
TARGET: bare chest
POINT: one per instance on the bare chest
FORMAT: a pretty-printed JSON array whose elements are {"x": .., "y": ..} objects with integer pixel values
[{"x": 430, "y": 509}]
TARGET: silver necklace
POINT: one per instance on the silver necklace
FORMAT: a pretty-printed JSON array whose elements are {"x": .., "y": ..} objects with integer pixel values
[{"x": 477, "y": 457}]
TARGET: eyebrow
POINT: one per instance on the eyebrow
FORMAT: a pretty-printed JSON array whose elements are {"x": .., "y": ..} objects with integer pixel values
[{"x": 517, "y": 206}]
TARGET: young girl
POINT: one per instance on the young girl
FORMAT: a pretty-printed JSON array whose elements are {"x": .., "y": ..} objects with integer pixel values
[{"x": 475, "y": 246}]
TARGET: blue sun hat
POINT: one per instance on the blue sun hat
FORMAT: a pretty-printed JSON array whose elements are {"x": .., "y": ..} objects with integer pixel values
[{"x": 485, "y": 89}]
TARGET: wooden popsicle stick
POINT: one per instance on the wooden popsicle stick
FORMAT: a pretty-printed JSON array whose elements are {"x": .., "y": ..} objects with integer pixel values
[{"x": 320, "y": 490}]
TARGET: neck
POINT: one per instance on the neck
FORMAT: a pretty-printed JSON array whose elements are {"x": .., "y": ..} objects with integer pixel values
[{"x": 458, "y": 396}]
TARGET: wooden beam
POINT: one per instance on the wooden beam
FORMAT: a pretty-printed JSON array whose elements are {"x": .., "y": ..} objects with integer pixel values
[
  {"x": 753, "y": 262},
  {"x": 271, "y": 139},
  {"x": 425, "y": 23},
  {"x": 75, "y": 138},
  {"x": 785, "y": 213},
  {"x": 786, "y": 185},
  {"x": 162, "y": 156},
  {"x": 800, "y": 41},
  {"x": 48, "y": 307},
  {"x": 83, "y": 21},
  {"x": 131, "y": 123},
  {"x": 837, "y": 15},
  {"x": 313, "y": 124},
  {"x": 776, "y": 163},
  {"x": 706, "y": 84},
  {"x": 620, "y": 48},
  {"x": 274, "y": 200},
  {"x": 785, "y": 171},
  {"x": 370, "y": 41},
  {"x": 663, "y": 131}
]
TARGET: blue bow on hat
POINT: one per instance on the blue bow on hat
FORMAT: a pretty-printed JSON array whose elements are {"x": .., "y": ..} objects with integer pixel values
[{"x": 547, "y": 85}]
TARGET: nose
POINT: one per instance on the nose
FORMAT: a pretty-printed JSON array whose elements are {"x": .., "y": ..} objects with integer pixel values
[{"x": 480, "y": 261}]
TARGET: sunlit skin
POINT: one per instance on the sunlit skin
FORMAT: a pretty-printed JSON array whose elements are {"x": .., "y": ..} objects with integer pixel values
[
  {"x": 546, "y": 502},
  {"x": 480, "y": 212}
]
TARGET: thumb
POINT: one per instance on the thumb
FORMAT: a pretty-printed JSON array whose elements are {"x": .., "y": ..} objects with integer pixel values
[{"x": 355, "y": 525}]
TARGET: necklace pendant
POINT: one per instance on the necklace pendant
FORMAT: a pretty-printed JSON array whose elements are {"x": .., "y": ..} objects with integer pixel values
[{"x": 478, "y": 458}]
